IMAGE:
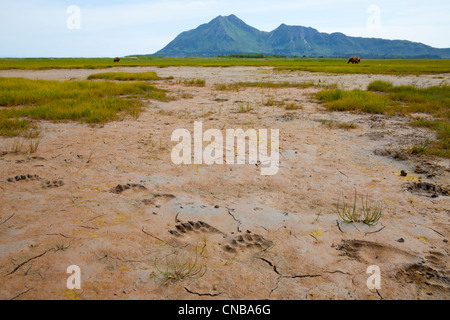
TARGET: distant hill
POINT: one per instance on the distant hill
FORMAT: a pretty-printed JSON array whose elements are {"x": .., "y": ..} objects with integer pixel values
[{"x": 230, "y": 35}]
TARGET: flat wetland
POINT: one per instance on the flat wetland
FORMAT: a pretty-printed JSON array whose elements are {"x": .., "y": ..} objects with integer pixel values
[{"x": 86, "y": 179}]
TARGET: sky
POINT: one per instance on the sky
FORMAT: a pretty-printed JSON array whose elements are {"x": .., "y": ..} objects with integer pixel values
[{"x": 108, "y": 28}]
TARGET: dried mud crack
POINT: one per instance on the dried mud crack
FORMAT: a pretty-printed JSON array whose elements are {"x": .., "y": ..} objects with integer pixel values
[
  {"x": 203, "y": 294},
  {"x": 111, "y": 198}
]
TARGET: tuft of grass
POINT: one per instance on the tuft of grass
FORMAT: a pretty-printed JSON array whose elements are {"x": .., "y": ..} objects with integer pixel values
[
  {"x": 224, "y": 87},
  {"x": 419, "y": 149},
  {"x": 60, "y": 246},
  {"x": 84, "y": 101},
  {"x": 356, "y": 100},
  {"x": 380, "y": 86},
  {"x": 274, "y": 85},
  {"x": 33, "y": 146},
  {"x": 368, "y": 214},
  {"x": 272, "y": 102},
  {"x": 347, "y": 125},
  {"x": 22, "y": 146},
  {"x": 403, "y": 100},
  {"x": 169, "y": 113},
  {"x": 245, "y": 109},
  {"x": 13, "y": 127},
  {"x": 186, "y": 95},
  {"x": 127, "y": 76},
  {"x": 293, "y": 106},
  {"x": 339, "y": 125},
  {"x": 179, "y": 268},
  {"x": 441, "y": 147},
  {"x": 195, "y": 83}
]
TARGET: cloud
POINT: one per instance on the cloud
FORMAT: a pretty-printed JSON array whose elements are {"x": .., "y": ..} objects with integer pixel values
[{"x": 29, "y": 27}]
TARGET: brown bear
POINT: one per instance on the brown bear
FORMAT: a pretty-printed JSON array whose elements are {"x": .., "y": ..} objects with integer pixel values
[{"x": 354, "y": 60}]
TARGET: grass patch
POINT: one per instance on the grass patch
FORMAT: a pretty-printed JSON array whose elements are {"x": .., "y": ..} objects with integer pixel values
[
  {"x": 13, "y": 127},
  {"x": 293, "y": 106},
  {"x": 195, "y": 83},
  {"x": 238, "y": 85},
  {"x": 127, "y": 76},
  {"x": 373, "y": 66},
  {"x": 328, "y": 65},
  {"x": 339, "y": 125},
  {"x": 384, "y": 98},
  {"x": 356, "y": 100},
  {"x": 22, "y": 100},
  {"x": 381, "y": 86},
  {"x": 272, "y": 102},
  {"x": 441, "y": 147},
  {"x": 369, "y": 214},
  {"x": 244, "y": 108},
  {"x": 187, "y": 95},
  {"x": 179, "y": 268},
  {"x": 419, "y": 149},
  {"x": 21, "y": 146}
]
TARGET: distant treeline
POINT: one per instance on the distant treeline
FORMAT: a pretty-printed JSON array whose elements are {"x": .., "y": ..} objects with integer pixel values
[
  {"x": 252, "y": 56},
  {"x": 335, "y": 55}
]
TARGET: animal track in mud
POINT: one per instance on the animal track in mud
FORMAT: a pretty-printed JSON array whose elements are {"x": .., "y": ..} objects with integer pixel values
[
  {"x": 399, "y": 155},
  {"x": 245, "y": 241},
  {"x": 433, "y": 275},
  {"x": 32, "y": 177},
  {"x": 429, "y": 169},
  {"x": 427, "y": 189},
  {"x": 248, "y": 240},
  {"x": 24, "y": 177},
  {"x": 437, "y": 259},
  {"x": 373, "y": 253},
  {"x": 430, "y": 272},
  {"x": 191, "y": 226},
  {"x": 53, "y": 184},
  {"x": 123, "y": 187},
  {"x": 158, "y": 199},
  {"x": 30, "y": 159}
]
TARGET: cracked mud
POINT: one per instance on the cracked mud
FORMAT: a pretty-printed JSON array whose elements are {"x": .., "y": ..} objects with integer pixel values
[{"x": 258, "y": 237}]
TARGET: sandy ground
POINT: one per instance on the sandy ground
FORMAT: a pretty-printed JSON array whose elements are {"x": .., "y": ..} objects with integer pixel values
[{"x": 109, "y": 200}]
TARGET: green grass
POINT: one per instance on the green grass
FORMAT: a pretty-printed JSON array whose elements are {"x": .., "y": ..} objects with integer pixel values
[
  {"x": 293, "y": 106},
  {"x": 179, "y": 268},
  {"x": 374, "y": 66},
  {"x": 367, "y": 66},
  {"x": 369, "y": 214},
  {"x": 403, "y": 100},
  {"x": 127, "y": 76},
  {"x": 381, "y": 86},
  {"x": 22, "y": 100},
  {"x": 12, "y": 127},
  {"x": 244, "y": 109},
  {"x": 195, "y": 83},
  {"x": 441, "y": 147},
  {"x": 274, "y": 85},
  {"x": 21, "y": 146},
  {"x": 356, "y": 100}
]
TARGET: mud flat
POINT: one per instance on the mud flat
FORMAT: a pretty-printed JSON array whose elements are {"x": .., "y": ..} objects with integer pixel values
[{"x": 109, "y": 200}]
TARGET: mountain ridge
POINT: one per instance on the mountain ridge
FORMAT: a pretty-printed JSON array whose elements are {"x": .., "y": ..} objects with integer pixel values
[{"x": 226, "y": 35}]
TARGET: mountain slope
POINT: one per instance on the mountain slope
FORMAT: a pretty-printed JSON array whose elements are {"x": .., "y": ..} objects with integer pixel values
[
  {"x": 230, "y": 35},
  {"x": 222, "y": 35}
]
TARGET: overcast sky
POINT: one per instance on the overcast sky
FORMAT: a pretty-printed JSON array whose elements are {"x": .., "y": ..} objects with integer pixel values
[{"x": 106, "y": 28}]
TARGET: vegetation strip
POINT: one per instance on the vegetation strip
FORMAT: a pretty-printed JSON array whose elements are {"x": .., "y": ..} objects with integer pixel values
[
  {"x": 329, "y": 65},
  {"x": 384, "y": 98},
  {"x": 127, "y": 76},
  {"x": 89, "y": 102}
]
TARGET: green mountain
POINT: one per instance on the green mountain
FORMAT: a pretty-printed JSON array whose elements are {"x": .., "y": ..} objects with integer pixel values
[{"x": 230, "y": 35}]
